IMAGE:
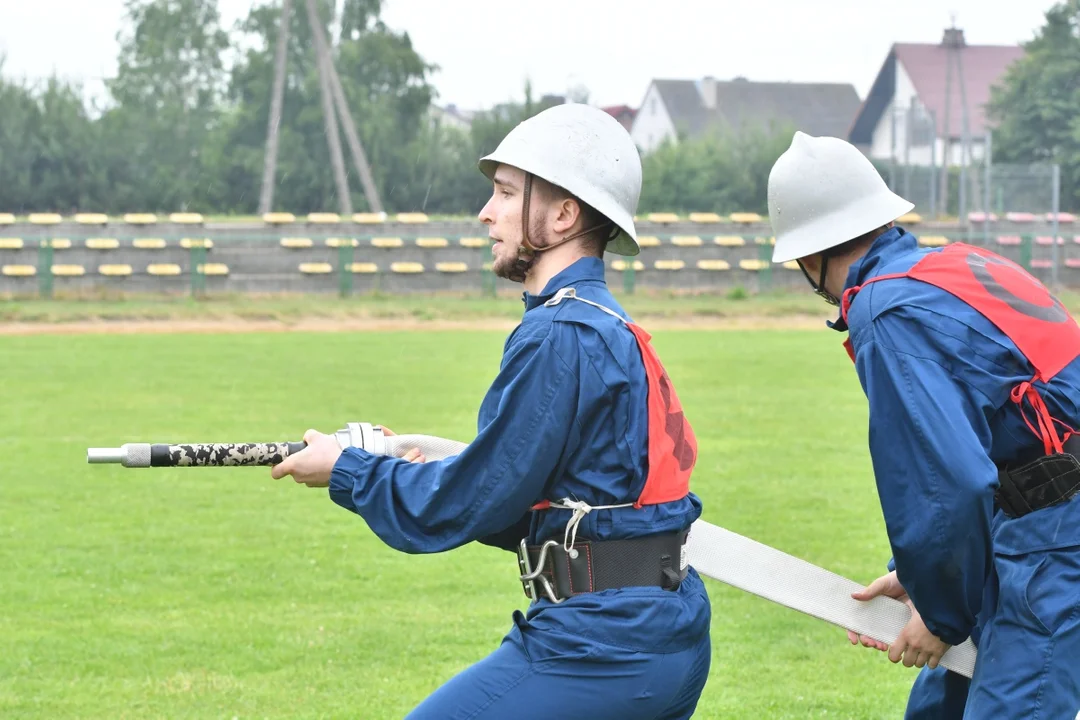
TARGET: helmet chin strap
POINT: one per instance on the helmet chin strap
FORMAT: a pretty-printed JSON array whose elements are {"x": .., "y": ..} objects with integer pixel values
[
  {"x": 525, "y": 243},
  {"x": 819, "y": 286}
]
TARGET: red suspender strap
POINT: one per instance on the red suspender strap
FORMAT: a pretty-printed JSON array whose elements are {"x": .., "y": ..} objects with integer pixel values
[{"x": 672, "y": 444}]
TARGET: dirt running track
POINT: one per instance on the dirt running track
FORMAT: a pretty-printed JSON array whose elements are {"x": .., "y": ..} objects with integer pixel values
[{"x": 240, "y": 325}]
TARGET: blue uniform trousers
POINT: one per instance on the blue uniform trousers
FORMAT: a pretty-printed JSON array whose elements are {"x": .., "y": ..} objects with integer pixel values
[
  {"x": 1029, "y": 647},
  {"x": 545, "y": 673}
]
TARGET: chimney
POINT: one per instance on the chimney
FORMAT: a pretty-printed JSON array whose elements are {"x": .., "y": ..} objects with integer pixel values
[
  {"x": 953, "y": 38},
  {"x": 708, "y": 92}
]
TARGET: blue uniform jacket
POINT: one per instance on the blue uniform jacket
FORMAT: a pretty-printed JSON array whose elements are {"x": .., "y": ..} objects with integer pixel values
[
  {"x": 565, "y": 417},
  {"x": 937, "y": 376}
]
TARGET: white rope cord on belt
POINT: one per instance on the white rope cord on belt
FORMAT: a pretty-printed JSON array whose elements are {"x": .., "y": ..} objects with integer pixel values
[{"x": 747, "y": 565}]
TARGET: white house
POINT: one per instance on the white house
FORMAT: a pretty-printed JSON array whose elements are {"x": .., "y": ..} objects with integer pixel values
[
  {"x": 918, "y": 89},
  {"x": 690, "y": 107}
]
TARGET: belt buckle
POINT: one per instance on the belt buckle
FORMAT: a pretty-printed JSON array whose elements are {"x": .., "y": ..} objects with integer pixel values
[{"x": 530, "y": 576}]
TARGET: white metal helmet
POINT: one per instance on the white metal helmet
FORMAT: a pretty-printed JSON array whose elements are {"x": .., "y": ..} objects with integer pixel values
[
  {"x": 824, "y": 192},
  {"x": 585, "y": 151}
]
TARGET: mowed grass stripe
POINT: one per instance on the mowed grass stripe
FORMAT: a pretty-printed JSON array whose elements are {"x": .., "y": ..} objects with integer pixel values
[{"x": 222, "y": 593}]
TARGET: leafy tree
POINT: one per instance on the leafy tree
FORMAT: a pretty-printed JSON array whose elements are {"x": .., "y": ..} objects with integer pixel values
[
  {"x": 167, "y": 95},
  {"x": 1036, "y": 106},
  {"x": 723, "y": 170}
]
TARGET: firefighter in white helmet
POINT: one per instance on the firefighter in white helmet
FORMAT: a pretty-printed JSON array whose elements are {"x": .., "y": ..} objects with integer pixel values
[
  {"x": 581, "y": 464},
  {"x": 970, "y": 367}
]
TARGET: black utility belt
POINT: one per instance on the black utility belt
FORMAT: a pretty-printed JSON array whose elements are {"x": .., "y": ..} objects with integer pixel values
[
  {"x": 592, "y": 566},
  {"x": 1043, "y": 482}
]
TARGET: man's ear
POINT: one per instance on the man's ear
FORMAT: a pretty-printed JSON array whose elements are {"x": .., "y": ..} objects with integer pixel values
[{"x": 567, "y": 213}]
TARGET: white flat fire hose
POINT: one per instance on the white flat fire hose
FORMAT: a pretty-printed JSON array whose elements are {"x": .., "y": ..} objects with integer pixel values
[
  {"x": 755, "y": 568},
  {"x": 713, "y": 551}
]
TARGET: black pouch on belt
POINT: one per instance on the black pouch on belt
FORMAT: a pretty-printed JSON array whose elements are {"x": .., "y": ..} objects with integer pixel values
[
  {"x": 1045, "y": 481},
  {"x": 548, "y": 570}
]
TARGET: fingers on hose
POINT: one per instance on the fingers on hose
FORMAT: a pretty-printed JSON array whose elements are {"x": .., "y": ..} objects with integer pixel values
[
  {"x": 384, "y": 430},
  {"x": 852, "y": 638},
  {"x": 932, "y": 663},
  {"x": 896, "y": 652},
  {"x": 281, "y": 469},
  {"x": 310, "y": 435},
  {"x": 412, "y": 455},
  {"x": 872, "y": 590}
]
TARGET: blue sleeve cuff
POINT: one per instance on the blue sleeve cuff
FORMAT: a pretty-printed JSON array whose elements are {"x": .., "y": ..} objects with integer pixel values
[
  {"x": 351, "y": 468},
  {"x": 891, "y": 565}
]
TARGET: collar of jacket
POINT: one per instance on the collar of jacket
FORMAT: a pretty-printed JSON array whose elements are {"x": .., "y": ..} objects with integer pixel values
[
  {"x": 585, "y": 270},
  {"x": 888, "y": 246}
]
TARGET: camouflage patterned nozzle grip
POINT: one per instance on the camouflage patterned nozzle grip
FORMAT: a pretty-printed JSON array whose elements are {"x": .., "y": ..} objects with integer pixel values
[
  {"x": 221, "y": 454},
  {"x": 142, "y": 455}
]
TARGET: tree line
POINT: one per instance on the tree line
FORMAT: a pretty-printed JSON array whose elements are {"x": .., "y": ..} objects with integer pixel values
[{"x": 185, "y": 122}]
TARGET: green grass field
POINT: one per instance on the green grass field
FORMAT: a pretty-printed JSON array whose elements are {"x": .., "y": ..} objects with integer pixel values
[{"x": 220, "y": 593}]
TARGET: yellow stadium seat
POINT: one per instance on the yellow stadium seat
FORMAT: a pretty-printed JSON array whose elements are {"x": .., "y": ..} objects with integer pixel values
[
  {"x": 729, "y": 240},
  {"x": 765, "y": 241},
  {"x": 753, "y": 265},
  {"x": 45, "y": 219},
  {"x": 20, "y": 270},
  {"x": 705, "y": 218},
  {"x": 363, "y": 267},
  {"x": 188, "y": 243},
  {"x": 56, "y": 243},
  {"x": 910, "y": 218},
  {"x": 296, "y": 242},
  {"x": 68, "y": 270},
  {"x": 148, "y": 243},
  {"x": 713, "y": 265},
  {"x": 669, "y": 264},
  {"x": 686, "y": 241},
  {"x": 622, "y": 265},
  {"x": 432, "y": 242},
  {"x": 933, "y": 240},
  {"x": 745, "y": 218},
  {"x": 406, "y": 267},
  {"x": 115, "y": 270},
  {"x": 342, "y": 242},
  {"x": 7, "y": 219},
  {"x": 648, "y": 241},
  {"x": 214, "y": 269},
  {"x": 316, "y": 268},
  {"x": 452, "y": 267},
  {"x": 792, "y": 265},
  {"x": 326, "y": 218},
  {"x": 663, "y": 217},
  {"x": 186, "y": 218},
  {"x": 488, "y": 266},
  {"x": 387, "y": 242},
  {"x": 102, "y": 243},
  {"x": 278, "y": 218},
  {"x": 11, "y": 243},
  {"x": 369, "y": 218},
  {"x": 91, "y": 218},
  {"x": 474, "y": 242},
  {"x": 163, "y": 269},
  {"x": 140, "y": 218},
  {"x": 412, "y": 218}
]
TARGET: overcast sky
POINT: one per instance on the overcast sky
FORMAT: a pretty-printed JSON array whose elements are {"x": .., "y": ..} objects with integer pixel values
[{"x": 486, "y": 48}]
